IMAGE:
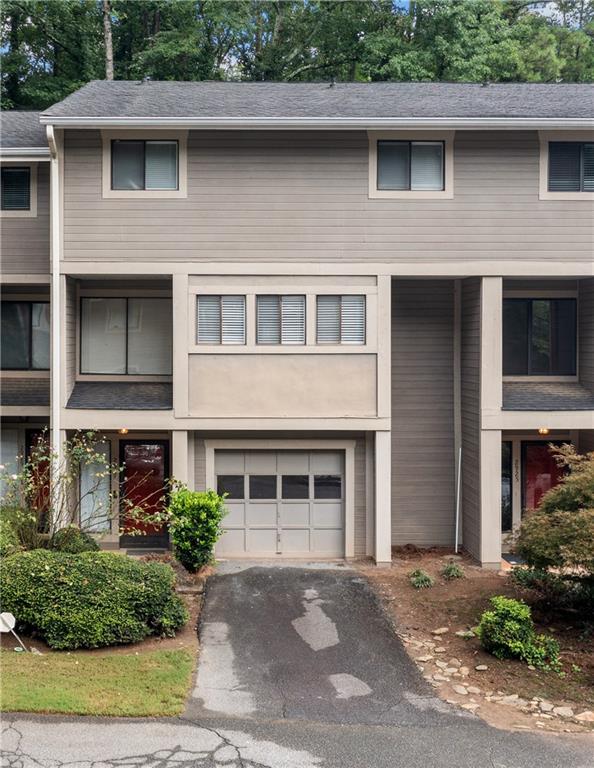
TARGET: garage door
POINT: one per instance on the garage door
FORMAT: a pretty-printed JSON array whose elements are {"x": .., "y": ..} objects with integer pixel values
[{"x": 282, "y": 503}]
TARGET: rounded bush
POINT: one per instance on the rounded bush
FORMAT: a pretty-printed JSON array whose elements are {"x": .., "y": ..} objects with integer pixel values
[
  {"x": 507, "y": 632},
  {"x": 90, "y": 600},
  {"x": 195, "y": 525},
  {"x": 72, "y": 539}
]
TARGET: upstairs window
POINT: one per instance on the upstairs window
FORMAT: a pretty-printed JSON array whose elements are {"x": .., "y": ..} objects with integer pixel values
[
  {"x": 220, "y": 320},
  {"x": 539, "y": 337},
  {"x": 126, "y": 336},
  {"x": 25, "y": 336},
  {"x": 144, "y": 165},
  {"x": 571, "y": 166},
  {"x": 340, "y": 319},
  {"x": 410, "y": 166},
  {"x": 280, "y": 319},
  {"x": 16, "y": 189}
]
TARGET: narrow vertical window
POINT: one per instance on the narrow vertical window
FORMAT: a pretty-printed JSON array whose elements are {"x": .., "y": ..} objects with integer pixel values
[
  {"x": 280, "y": 319},
  {"x": 16, "y": 189},
  {"x": 341, "y": 319}
]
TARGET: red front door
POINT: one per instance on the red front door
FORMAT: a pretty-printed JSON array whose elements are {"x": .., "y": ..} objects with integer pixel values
[
  {"x": 539, "y": 471},
  {"x": 144, "y": 476}
]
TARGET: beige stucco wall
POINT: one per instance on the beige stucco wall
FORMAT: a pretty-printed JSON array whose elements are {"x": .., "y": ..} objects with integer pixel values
[{"x": 283, "y": 385}]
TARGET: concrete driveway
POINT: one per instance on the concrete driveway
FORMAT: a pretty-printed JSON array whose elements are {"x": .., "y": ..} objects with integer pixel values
[{"x": 299, "y": 668}]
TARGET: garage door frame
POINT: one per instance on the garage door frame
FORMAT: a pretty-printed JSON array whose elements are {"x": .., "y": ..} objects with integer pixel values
[{"x": 348, "y": 446}]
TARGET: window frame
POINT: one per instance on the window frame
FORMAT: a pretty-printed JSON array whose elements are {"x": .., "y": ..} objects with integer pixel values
[
  {"x": 341, "y": 297},
  {"x": 219, "y": 343},
  {"x": 111, "y": 376},
  {"x": 30, "y": 303},
  {"x": 144, "y": 142},
  {"x": 281, "y": 343},
  {"x": 581, "y": 145},
  {"x": 548, "y": 137},
  {"x": 31, "y": 211},
  {"x": 444, "y": 137},
  {"x": 546, "y": 296},
  {"x": 109, "y": 136},
  {"x": 409, "y": 143}
]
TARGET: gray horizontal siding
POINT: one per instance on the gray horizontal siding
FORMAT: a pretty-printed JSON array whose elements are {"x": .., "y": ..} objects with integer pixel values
[
  {"x": 25, "y": 240},
  {"x": 423, "y": 412},
  {"x": 470, "y": 366},
  {"x": 265, "y": 196}
]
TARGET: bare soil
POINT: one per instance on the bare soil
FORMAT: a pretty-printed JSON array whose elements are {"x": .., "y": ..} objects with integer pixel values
[{"x": 458, "y": 605}]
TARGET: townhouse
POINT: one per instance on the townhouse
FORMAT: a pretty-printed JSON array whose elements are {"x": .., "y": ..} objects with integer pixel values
[{"x": 361, "y": 310}]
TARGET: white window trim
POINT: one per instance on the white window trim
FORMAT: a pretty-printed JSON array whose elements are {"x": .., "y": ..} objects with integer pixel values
[
  {"x": 32, "y": 212},
  {"x": 447, "y": 193},
  {"x": 145, "y": 194},
  {"x": 545, "y": 137}
]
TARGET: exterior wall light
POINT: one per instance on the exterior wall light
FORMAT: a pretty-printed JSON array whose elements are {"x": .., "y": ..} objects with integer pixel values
[
  {"x": 124, "y": 431},
  {"x": 543, "y": 430}
]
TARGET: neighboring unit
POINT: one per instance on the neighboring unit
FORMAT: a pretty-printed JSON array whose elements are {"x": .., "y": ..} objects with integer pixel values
[{"x": 314, "y": 298}]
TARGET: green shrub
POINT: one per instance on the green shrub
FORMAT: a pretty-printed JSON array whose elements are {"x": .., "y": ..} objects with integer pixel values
[
  {"x": 195, "y": 525},
  {"x": 9, "y": 541},
  {"x": 452, "y": 571},
  {"x": 420, "y": 579},
  {"x": 507, "y": 632},
  {"x": 72, "y": 539},
  {"x": 553, "y": 590},
  {"x": 558, "y": 539},
  {"x": 24, "y": 525},
  {"x": 90, "y": 600}
]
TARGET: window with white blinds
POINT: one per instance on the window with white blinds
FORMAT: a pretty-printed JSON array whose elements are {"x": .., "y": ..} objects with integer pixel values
[
  {"x": 138, "y": 165},
  {"x": 410, "y": 165},
  {"x": 220, "y": 319},
  {"x": 341, "y": 319},
  {"x": 571, "y": 166},
  {"x": 280, "y": 319}
]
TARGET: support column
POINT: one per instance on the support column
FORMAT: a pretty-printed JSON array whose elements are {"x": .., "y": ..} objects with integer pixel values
[
  {"x": 491, "y": 404},
  {"x": 180, "y": 344},
  {"x": 383, "y": 498},
  {"x": 179, "y": 455}
]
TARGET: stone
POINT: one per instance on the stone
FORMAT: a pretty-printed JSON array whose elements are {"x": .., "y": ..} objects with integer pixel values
[
  {"x": 440, "y": 631},
  {"x": 441, "y": 679},
  {"x": 426, "y": 657},
  {"x": 454, "y": 663},
  {"x": 36, "y": 651},
  {"x": 460, "y": 689},
  {"x": 440, "y": 664},
  {"x": 464, "y": 671},
  {"x": 466, "y": 633},
  {"x": 531, "y": 667},
  {"x": 473, "y": 689},
  {"x": 449, "y": 670},
  {"x": 481, "y": 667},
  {"x": 511, "y": 701},
  {"x": 440, "y": 649},
  {"x": 563, "y": 711},
  {"x": 587, "y": 716},
  {"x": 470, "y": 707},
  {"x": 546, "y": 706}
]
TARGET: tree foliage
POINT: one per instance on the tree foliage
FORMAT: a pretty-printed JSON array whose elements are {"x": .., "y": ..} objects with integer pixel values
[{"x": 52, "y": 47}]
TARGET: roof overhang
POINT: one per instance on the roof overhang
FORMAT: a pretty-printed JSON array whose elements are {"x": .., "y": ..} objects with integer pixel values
[
  {"x": 24, "y": 154},
  {"x": 323, "y": 123}
]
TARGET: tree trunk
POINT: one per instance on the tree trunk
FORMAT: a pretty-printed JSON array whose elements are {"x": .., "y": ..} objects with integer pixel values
[{"x": 108, "y": 40}]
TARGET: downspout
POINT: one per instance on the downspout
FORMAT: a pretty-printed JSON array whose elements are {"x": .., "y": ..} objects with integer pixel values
[
  {"x": 55, "y": 403},
  {"x": 458, "y": 412}
]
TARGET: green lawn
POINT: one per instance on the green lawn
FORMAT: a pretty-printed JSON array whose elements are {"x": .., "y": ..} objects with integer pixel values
[{"x": 146, "y": 684}]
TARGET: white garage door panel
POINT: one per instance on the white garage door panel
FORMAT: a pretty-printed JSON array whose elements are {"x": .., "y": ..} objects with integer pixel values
[{"x": 268, "y": 524}]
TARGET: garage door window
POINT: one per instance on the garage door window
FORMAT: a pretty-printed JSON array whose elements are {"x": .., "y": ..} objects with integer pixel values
[
  {"x": 327, "y": 487},
  {"x": 232, "y": 485},
  {"x": 262, "y": 486},
  {"x": 295, "y": 486}
]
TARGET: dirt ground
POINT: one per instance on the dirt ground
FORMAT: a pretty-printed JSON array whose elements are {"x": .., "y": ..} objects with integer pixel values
[
  {"x": 189, "y": 586},
  {"x": 457, "y": 605}
]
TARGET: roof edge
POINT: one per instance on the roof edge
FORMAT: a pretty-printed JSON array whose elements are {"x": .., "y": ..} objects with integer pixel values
[
  {"x": 40, "y": 152},
  {"x": 345, "y": 123}
]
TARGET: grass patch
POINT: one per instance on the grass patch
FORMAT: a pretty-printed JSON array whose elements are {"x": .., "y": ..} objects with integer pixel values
[{"x": 154, "y": 683}]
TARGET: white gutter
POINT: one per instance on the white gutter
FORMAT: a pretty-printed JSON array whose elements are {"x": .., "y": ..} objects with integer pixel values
[
  {"x": 324, "y": 123},
  {"x": 55, "y": 402},
  {"x": 16, "y": 153}
]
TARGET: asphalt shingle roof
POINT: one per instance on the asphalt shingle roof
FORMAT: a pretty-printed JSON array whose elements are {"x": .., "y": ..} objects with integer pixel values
[
  {"x": 546, "y": 396},
  {"x": 21, "y": 129},
  {"x": 122, "y": 396},
  {"x": 25, "y": 392},
  {"x": 124, "y": 98}
]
